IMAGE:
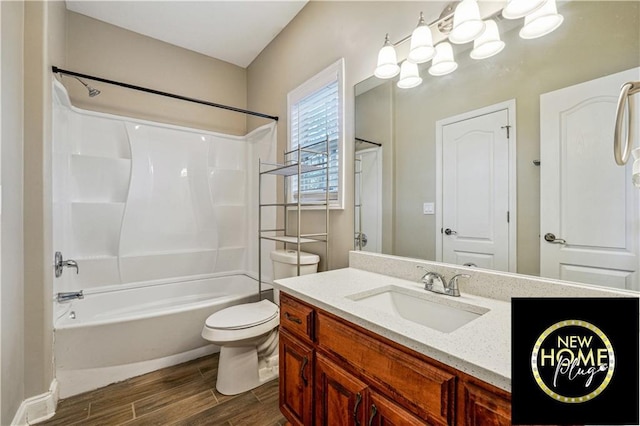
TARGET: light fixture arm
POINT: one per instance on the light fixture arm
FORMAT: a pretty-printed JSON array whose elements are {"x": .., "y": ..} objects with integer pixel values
[{"x": 442, "y": 18}]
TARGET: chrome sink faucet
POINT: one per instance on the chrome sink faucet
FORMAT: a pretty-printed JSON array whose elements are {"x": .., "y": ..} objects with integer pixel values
[{"x": 431, "y": 280}]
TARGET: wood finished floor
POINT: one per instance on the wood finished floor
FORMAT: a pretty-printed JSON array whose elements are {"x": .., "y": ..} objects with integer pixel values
[{"x": 184, "y": 395}]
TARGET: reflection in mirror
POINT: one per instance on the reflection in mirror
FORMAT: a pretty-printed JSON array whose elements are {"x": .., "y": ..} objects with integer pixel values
[{"x": 566, "y": 180}]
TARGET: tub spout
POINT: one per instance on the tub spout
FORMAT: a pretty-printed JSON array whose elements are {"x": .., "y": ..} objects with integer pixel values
[{"x": 65, "y": 297}]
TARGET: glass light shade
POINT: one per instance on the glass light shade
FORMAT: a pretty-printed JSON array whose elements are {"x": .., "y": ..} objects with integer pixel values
[
  {"x": 421, "y": 49},
  {"x": 409, "y": 75},
  {"x": 489, "y": 43},
  {"x": 443, "y": 63},
  {"x": 516, "y": 9},
  {"x": 542, "y": 21},
  {"x": 387, "y": 61},
  {"x": 467, "y": 23}
]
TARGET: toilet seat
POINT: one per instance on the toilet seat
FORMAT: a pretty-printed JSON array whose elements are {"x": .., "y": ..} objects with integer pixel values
[
  {"x": 237, "y": 324},
  {"x": 243, "y": 316}
]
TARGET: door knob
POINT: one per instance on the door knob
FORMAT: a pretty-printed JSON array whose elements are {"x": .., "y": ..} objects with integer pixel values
[
  {"x": 450, "y": 232},
  {"x": 551, "y": 238}
]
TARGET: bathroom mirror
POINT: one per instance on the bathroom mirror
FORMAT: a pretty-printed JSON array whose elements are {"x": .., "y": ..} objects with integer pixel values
[{"x": 396, "y": 176}]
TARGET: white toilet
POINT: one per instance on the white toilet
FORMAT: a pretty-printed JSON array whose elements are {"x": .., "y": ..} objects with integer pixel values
[
  {"x": 285, "y": 265},
  {"x": 248, "y": 334}
]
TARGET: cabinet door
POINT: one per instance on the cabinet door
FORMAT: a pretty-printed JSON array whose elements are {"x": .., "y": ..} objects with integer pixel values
[
  {"x": 339, "y": 395},
  {"x": 382, "y": 412},
  {"x": 485, "y": 408},
  {"x": 296, "y": 380}
]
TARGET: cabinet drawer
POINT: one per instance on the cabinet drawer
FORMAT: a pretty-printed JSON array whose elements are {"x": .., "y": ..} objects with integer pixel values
[
  {"x": 426, "y": 388},
  {"x": 296, "y": 317}
]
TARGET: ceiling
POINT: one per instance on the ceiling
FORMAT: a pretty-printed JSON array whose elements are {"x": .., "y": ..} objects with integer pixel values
[{"x": 234, "y": 31}]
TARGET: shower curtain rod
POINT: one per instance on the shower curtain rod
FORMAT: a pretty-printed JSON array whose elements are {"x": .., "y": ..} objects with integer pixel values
[
  {"x": 157, "y": 92},
  {"x": 366, "y": 141}
]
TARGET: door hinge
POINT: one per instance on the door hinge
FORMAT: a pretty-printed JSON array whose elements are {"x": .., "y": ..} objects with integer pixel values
[
  {"x": 508, "y": 127},
  {"x": 508, "y": 217}
]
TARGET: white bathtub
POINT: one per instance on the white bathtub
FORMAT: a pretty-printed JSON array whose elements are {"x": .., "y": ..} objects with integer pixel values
[{"x": 111, "y": 336}]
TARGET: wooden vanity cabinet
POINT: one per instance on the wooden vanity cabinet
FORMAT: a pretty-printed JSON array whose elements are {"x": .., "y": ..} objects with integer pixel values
[
  {"x": 484, "y": 407},
  {"x": 340, "y": 397},
  {"x": 383, "y": 412},
  {"x": 296, "y": 361},
  {"x": 333, "y": 372},
  {"x": 343, "y": 399}
]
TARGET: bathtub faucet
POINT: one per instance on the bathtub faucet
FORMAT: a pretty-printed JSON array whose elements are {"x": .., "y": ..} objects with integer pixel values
[
  {"x": 65, "y": 297},
  {"x": 60, "y": 264}
]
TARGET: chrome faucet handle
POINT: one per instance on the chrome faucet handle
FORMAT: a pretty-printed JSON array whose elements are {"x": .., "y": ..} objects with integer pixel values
[
  {"x": 60, "y": 264},
  {"x": 424, "y": 269},
  {"x": 71, "y": 264},
  {"x": 452, "y": 288},
  {"x": 430, "y": 277}
]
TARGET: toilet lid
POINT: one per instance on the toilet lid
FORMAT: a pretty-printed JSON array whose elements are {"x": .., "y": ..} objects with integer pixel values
[{"x": 243, "y": 316}]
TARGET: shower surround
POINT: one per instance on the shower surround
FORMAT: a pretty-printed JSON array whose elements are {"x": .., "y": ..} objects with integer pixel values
[{"x": 162, "y": 221}]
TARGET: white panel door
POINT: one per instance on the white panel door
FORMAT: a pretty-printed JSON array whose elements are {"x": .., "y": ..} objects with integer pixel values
[
  {"x": 475, "y": 188},
  {"x": 369, "y": 198},
  {"x": 587, "y": 202}
]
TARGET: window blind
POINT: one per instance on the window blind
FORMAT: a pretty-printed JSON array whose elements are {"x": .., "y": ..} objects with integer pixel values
[{"x": 315, "y": 119}]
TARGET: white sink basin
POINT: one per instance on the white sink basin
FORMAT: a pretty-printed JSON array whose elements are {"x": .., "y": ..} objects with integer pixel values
[{"x": 420, "y": 307}]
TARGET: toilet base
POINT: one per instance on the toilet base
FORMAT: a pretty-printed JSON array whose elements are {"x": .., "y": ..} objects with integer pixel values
[{"x": 239, "y": 369}]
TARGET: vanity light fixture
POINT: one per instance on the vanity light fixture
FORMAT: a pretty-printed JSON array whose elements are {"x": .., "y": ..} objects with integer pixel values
[
  {"x": 461, "y": 22},
  {"x": 489, "y": 43},
  {"x": 421, "y": 49},
  {"x": 542, "y": 21},
  {"x": 387, "y": 61},
  {"x": 443, "y": 63},
  {"x": 516, "y": 9},
  {"x": 467, "y": 23},
  {"x": 409, "y": 75}
]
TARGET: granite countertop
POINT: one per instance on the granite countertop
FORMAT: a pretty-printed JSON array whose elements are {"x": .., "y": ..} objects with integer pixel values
[{"x": 480, "y": 348}]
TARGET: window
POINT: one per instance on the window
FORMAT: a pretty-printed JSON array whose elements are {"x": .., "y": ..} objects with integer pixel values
[{"x": 316, "y": 115}]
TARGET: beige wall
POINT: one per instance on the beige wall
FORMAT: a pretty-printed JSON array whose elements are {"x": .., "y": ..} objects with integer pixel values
[
  {"x": 12, "y": 369},
  {"x": 325, "y": 31},
  {"x": 44, "y": 45},
  {"x": 318, "y": 36},
  {"x": 100, "y": 49},
  {"x": 31, "y": 33}
]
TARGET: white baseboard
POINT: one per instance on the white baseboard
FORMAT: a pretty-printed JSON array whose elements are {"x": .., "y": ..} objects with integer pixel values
[{"x": 37, "y": 408}]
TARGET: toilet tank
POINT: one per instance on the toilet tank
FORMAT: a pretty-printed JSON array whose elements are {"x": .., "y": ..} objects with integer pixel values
[{"x": 285, "y": 263}]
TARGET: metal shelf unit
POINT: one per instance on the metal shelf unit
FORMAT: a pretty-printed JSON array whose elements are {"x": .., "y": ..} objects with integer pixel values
[{"x": 295, "y": 166}]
